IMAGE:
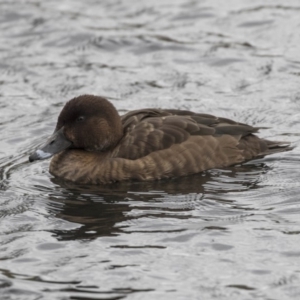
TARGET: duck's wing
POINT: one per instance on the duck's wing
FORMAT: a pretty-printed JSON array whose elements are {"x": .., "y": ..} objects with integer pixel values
[{"x": 150, "y": 130}]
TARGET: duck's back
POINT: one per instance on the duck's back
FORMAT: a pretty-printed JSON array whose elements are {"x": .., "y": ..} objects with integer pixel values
[
  {"x": 150, "y": 130},
  {"x": 170, "y": 143}
]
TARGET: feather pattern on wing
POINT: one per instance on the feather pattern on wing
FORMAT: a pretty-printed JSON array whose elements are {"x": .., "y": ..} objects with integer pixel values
[{"x": 149, "y": 130}]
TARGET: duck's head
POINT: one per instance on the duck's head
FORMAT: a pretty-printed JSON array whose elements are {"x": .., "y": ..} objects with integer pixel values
[{"x": 86, "y": 122}]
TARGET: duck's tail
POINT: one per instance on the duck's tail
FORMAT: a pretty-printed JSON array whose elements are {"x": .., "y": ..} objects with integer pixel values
[
  {"x": 255, "y": 147},
  {"x": 276, "y": 147}
]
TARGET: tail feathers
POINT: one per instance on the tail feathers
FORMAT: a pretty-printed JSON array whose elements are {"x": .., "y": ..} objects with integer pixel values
[
  {"x": 254, "y": 147},
  {"x": 276, "y": 147}
]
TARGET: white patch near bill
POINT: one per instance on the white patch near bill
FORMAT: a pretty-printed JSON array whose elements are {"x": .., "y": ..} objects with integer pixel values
[{"x": 43, "y": 154}]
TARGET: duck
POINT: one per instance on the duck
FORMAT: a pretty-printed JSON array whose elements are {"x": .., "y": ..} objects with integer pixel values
[{"x": 93, "y": 144}]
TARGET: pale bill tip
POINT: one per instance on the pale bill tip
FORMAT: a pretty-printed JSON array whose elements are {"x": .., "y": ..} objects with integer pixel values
[{"x": 41, "y": 154}]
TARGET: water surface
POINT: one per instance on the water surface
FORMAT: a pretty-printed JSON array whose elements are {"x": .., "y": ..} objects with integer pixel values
[{"x": 225, "y": 234}]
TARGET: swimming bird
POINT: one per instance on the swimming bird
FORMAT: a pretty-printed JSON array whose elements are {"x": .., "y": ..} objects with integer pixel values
[{"x": 92, "y": 144}]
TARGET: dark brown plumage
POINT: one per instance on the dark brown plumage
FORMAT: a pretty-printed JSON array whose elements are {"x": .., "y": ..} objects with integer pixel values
[{"x": 93, "y": 145}]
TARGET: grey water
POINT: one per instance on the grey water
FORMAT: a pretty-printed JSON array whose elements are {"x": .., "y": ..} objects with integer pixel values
[{"x": 230, "y": 233}]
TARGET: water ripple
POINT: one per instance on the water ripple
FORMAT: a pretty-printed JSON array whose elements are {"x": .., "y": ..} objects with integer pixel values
[{"x": 229, "y": 233}]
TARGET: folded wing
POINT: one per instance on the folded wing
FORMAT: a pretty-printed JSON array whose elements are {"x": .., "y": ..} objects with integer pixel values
[{"x": 150, "y": 130}]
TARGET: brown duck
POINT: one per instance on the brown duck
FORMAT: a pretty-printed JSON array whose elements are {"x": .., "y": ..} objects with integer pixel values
[{"x": 92, "y": 144}]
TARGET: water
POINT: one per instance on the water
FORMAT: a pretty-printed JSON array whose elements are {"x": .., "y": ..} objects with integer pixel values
[{"x": 226, "y": 234}]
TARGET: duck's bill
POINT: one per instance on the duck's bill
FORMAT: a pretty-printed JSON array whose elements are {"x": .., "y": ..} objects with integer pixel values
[{"x": 55, "y": 144}]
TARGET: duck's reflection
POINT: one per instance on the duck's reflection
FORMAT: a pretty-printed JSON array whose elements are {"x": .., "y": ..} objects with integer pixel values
[{"x": 100, "y": 210}]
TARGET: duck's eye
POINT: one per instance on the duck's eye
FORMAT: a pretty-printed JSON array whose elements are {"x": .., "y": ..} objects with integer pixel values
[{"x": 80, "y": 119}]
